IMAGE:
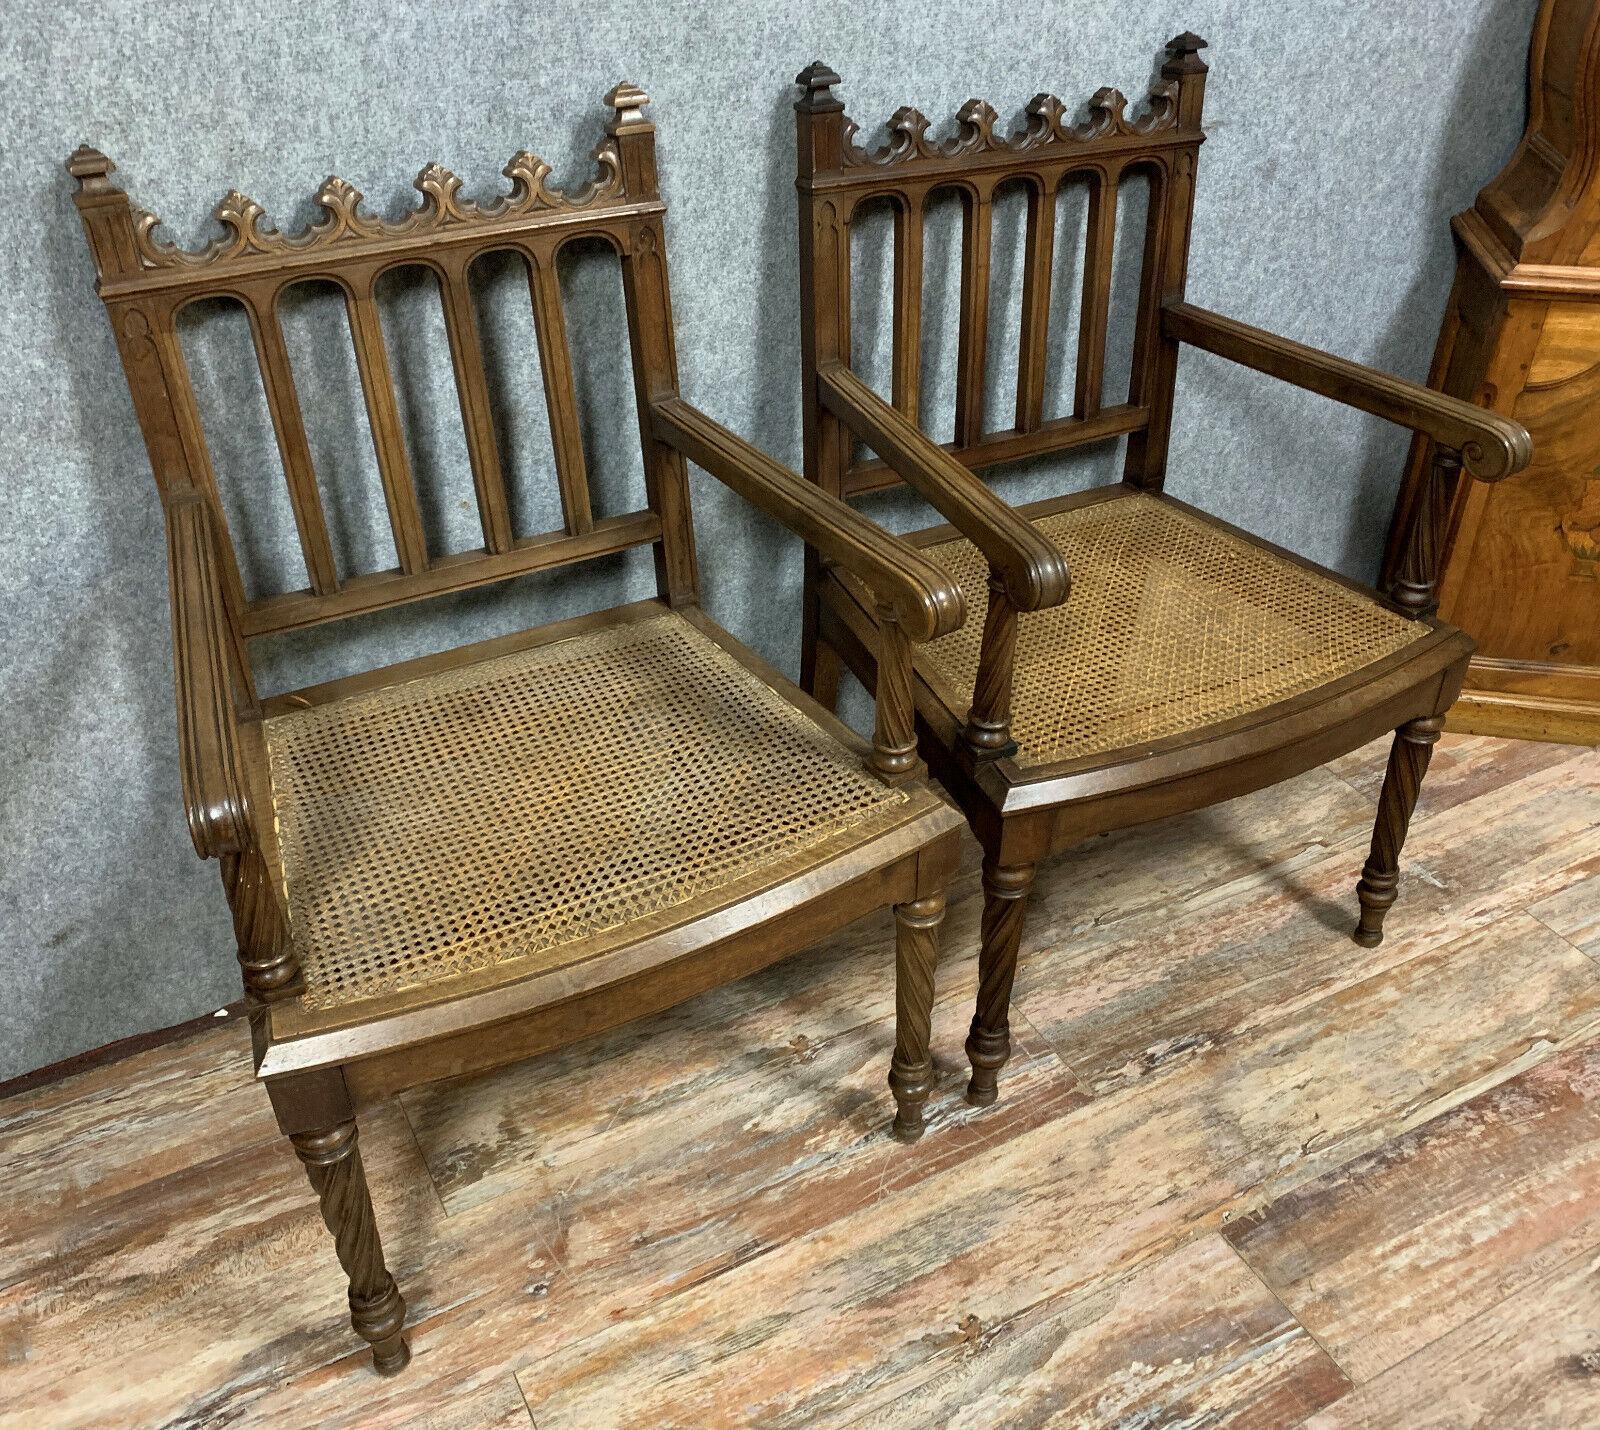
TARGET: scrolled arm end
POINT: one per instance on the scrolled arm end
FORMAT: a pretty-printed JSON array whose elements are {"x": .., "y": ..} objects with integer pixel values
[
  {"x": 1502, "y": 451},
  {"x": 1033, "y": 569},
  {"x": 1040, "y": 578}
]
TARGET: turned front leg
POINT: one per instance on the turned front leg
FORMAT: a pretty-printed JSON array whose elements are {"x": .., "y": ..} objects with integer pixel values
[
  {"x": 1005, "y": 899},
  {"x": 1380, "y": 878},
  {"x": 916, "y": 953},
  {"x": 333, "y": 1163}
]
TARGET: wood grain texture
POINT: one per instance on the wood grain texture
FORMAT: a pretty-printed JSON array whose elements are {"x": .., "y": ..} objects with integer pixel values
[
  {"x": 1574, "y": 911},
  {"x": 808, "y": 1329},
  {"x": 1136, "y": 996},
  {"x": 1530, "y": 1361},
  {"x": 1384, "y": 1256},
  {"x": 1213, "y": 1346},
  {"x": 1024, "y": 809},
  {"x": 631, "y": 936},
  {"x": 696, "y": 1218},
  {"x": 1520, "y": 336}
]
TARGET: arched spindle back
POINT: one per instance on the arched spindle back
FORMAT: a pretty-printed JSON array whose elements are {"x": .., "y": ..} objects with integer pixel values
[
  {"x": 145, "y": 282},
  {"x": 837, "y": 176}
]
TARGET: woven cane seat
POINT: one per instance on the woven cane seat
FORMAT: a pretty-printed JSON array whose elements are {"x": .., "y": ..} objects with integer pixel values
[
  {"x": 501, "y": 813},
  {"x": 1173, "y": 624}
]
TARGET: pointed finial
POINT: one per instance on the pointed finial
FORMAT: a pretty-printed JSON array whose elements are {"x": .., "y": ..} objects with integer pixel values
[
  {"x": 1183, "y": 55},
  {"x": 90, "y": 167},
  {"x": 628, "y": 100},
  {"x": 816, "y": 79}
]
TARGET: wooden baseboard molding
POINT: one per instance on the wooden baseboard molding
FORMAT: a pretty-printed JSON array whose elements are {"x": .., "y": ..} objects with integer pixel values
[
  {"x": 115, "y": 1052},
  {"x": 1523, "y": 716}
]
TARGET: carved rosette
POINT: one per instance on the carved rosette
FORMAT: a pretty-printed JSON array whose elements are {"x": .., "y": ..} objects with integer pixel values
[{"x": 250, "y": 232}]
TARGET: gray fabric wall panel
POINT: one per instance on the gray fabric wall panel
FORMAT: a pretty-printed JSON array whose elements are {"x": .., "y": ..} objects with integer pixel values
[{"x": 1341, "y": 141}]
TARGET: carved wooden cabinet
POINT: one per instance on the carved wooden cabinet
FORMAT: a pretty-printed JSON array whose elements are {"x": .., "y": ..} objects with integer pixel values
[{"x": 1522, "y": 336}]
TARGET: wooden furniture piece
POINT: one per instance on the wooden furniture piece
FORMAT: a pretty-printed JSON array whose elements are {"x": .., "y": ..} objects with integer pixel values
[
  {"x": 1520, "y": 562},
  {"x": 448, "y": 864},
  {"x": 1192, "y": 662}
]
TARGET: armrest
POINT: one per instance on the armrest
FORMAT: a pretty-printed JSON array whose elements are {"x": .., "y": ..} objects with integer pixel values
[
  {"x": 1034, "y": 571},
  {"x": 924, "y": 597},
  {"x": 208, "y": 734},
  {"x": 1491, "y": 447}
]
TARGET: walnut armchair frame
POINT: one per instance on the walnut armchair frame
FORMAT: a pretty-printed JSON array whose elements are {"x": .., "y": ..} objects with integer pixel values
[
  {"x": 1025, "y": 804},
  {"x": 322, "y": 1053}
]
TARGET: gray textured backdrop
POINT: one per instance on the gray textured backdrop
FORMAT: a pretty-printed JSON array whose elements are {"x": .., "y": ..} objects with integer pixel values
[{"x": 1341, "y": 140}]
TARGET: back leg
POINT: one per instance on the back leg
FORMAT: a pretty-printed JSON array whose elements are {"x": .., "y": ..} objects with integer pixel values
[{"x": 1380, "y": 878}]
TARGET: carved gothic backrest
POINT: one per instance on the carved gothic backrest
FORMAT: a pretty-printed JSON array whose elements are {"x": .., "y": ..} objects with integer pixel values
[
  {"x": 147, "y": 282},
  {"x": 837, "y": 176}
]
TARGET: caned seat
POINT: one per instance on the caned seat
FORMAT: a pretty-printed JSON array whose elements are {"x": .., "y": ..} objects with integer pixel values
[
  {"x": 427, "y": 829},
  {"x": 1175, "y": 624}
]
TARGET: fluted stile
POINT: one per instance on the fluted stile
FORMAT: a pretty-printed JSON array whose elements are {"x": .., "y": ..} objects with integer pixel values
[
  {"x": 283, "y": 402},
  {"x": 1416, "y": 586},
  {"x": 1032, "y": 347},
  {"x": 388, "y": 436},
  {"x": 472, "y": 391},
  {"x": 972, "y": 338},
  {"x": 906, "y": 376},
  {"x": 1096, "y": 309}
]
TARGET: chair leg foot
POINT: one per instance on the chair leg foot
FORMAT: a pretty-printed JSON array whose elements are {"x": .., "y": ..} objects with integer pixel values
[
  {"x": 1402, "y": 782},
  {"x": 911, "y": 1068},
  {"x": 332, "y": 1161},
  {"x": 1005, "y": 900},
  {"x": 988, "y": 1052}
]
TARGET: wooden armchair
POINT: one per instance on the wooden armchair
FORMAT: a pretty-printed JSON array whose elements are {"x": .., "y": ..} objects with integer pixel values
[
  {"x": 1192, "y": 662},
  {"x": 462, "y": 860}
]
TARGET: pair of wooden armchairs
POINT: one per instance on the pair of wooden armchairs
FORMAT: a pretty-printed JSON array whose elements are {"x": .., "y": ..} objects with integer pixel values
[{"x": 442, "y": 866}]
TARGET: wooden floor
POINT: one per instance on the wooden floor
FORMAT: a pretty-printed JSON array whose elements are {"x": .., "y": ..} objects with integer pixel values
[{"x": 1242, "y": 1171}]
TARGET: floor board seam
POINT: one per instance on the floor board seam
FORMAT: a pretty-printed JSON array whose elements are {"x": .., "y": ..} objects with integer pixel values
[
  {"x": 1592, "y": 957},
  {"x": 1272, "y": 1291},
  {"x": 422, "y": 1153},
  {"x": 1562, "y": 1268}
]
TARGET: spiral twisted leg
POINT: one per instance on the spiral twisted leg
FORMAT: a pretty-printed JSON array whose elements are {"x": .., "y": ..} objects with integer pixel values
[
  {"x": 911, "y": 1068},
  {"x": 1380, "y": 878},
  {"x": 1005, "y": 901},
  {"x": 333, "y": 1163}
]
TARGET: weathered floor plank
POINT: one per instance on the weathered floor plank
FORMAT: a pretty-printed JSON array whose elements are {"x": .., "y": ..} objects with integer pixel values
[
  {"x": 1126, "y": 1001},
  {"x": 213, "y": 1295},
  {"x": 840, "y": 1315},
  {"x": 1574, "y": 911},
  {"x": 1463, "y": 767},
  {"x": 1191, "y": 1339},
  {"x": 1532, "y": 1361},
  {"x": 114, "y": 1128},
  {"x": 1387, "y": 1254}
]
